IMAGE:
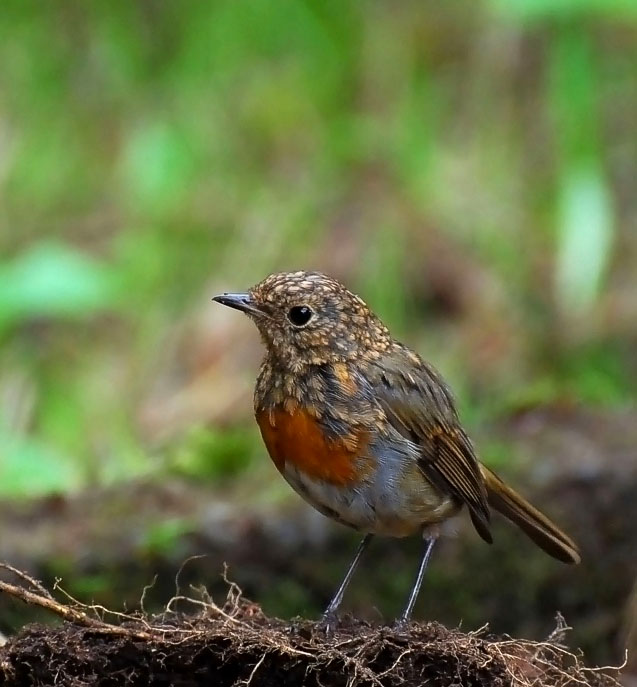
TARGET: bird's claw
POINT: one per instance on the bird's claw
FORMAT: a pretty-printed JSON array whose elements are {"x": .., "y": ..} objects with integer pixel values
[
  {"x": 401, "y": 625},
  {"x": 328, "y": 623}
]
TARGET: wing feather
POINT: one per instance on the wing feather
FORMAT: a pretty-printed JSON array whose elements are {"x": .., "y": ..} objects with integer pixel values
[{"x": 419, "y": 405}]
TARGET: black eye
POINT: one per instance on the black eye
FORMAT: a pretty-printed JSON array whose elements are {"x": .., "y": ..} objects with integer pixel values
[{"x": 300, "y": 315}]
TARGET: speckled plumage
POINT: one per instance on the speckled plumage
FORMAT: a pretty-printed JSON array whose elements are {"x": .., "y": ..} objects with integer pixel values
[
  {"x": 343, "y": 329},
  {"x": 361, "y": 426},
  {"x": 334, "y": 371}
]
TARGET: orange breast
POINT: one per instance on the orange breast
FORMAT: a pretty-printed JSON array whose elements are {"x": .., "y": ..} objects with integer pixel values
[{"x": 297, "y": 439}]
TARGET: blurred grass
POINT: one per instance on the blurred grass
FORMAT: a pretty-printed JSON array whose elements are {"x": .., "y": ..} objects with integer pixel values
[{"x": 468, "y": 166}]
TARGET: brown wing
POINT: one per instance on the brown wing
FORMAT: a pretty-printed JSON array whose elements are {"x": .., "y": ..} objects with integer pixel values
[{"x": 420, "y": 406}]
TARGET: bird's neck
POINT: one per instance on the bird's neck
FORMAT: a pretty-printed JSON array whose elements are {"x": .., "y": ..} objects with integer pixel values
[{"x": 304, "y": 385}]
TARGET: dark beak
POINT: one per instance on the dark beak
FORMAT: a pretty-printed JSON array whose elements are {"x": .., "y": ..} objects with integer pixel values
[{"x": 238, "y": 301}]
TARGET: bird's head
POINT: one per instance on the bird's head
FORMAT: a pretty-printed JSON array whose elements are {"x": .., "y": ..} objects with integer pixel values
[{"x": 310, "y": 318}]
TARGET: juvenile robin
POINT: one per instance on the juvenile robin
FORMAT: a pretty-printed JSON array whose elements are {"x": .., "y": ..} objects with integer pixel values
[{"x": 364, "y": 429}]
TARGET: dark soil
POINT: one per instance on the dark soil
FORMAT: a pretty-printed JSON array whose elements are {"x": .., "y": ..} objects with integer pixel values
[{"x": 239, "y": 645}]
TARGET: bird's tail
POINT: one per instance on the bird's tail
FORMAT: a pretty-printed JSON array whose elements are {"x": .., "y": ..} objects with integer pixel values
[{"x": 529, "y": 519}]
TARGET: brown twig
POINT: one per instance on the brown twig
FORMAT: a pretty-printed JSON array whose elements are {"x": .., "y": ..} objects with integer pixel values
[
  {"x": 68, "y": 613},
  {"x": 36, "y": 584}
]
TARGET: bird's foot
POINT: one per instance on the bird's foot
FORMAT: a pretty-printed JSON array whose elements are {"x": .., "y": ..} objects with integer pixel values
[
  {"x": 401, "y": 625},
  {"x": 328, "y": 623}
]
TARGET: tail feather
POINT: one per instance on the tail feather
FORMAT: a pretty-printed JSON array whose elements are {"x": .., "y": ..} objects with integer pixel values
[{"x": 529, "y": 519}]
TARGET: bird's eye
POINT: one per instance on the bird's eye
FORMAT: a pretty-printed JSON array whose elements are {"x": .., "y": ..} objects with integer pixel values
[{"x": 300, "y": 315}]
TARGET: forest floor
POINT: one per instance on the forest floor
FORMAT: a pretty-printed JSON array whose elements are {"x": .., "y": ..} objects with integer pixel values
[{"x": 237, "y": 644}]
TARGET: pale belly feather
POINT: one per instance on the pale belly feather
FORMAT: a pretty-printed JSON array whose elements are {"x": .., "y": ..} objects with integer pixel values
[{"x": 394, "y": 500}]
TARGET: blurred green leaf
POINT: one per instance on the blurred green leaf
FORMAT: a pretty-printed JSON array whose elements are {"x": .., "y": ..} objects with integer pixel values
[
  {"x": 541, "y": 9},
  {"x": 158, "y": 163},
  {"x": 30, "y": 468},
  {"x": 585, "y": 222},
  {"x": 213, "y": 454},
  {"x": 498, "y": 454},
  {"x": 573, "y": 94},
  {"x": 163, "y": 536},
  {"x": 88, "y": 586},
  {"x": 52, "y": 280},
  {"x": 595, "y": 374},
  {"x": 385, "y": 256},
  {"x": 585, "y": 232}
]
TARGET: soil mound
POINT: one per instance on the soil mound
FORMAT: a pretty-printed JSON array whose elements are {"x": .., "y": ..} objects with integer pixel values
[{"x": 237, "y": 644}]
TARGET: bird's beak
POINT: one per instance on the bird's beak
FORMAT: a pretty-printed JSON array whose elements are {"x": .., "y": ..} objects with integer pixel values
[{"x": 238, "y": 301}]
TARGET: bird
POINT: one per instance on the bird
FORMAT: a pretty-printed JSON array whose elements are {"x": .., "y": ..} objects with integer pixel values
[{"x": 366, "y": 430}]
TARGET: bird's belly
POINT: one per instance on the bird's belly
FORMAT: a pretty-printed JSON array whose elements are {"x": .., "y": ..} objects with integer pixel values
[
  {"x": 399, "y": 506},
  {"x": 368, "y": 482}
]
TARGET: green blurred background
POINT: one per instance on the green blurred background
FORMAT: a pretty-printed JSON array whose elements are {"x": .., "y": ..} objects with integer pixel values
[{"x": 469, "y": 167}]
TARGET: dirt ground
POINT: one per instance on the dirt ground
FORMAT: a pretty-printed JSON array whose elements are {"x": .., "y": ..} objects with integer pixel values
[{"x": 238, "y": 645}]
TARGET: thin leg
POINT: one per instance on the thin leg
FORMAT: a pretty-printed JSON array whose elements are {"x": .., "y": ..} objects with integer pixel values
[
  {"x": 330, "y": 612},
  {"x": 413, "y": 595}
]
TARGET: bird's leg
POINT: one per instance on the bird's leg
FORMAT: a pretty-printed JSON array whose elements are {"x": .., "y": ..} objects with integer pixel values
[
  {"x": 329, "y": 617},
  {"x": 429, "y": 542}
]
